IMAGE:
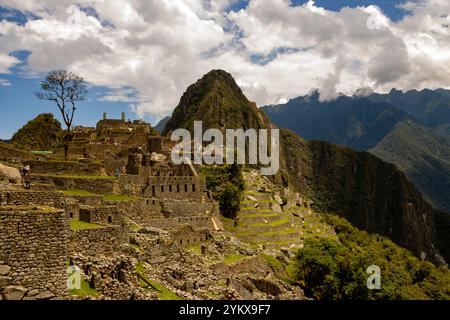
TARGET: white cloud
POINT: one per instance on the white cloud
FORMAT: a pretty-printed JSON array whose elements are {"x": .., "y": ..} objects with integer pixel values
[
  {"x": 4, "y": 82},
  {"x": 6, "y": 62},
  {"x": 158, "y": 48}
]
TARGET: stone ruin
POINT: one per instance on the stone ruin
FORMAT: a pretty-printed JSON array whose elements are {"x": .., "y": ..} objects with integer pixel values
[{"x": 168, "y": 212}]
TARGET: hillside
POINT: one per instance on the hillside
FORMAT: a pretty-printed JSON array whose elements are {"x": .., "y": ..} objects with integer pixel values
[
  {"x": 369, "y": 192},
  {"x": 41, "y": 133},
  {"x": 218, "y": 102},
  {"x": 424, "y": 156},
  {"x": 382, "y": 129}
]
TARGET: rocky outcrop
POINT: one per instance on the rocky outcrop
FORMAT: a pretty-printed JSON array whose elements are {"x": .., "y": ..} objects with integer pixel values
[{"x": 9, "y": 173}]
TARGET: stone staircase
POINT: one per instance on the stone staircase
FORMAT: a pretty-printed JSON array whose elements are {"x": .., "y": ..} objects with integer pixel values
[{"x": 265, "y": 219}]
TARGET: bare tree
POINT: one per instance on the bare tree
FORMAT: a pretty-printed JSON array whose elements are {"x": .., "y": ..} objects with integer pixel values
[{"x": 66, "y": 89}]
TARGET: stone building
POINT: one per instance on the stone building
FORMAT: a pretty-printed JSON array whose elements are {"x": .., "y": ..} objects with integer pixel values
[
  {"x": 170, "y": 195},
  {"x": 110, "y": 127}
]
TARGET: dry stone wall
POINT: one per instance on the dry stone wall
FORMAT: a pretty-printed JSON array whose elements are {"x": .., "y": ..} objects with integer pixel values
[
  {"x": 66, "y": 167},
  {"x": 36, "y": 198},
  {"x": 101, "y": 214},
  {"x": 33, "y": 246},
  {"x": 94, "y": 185},
  {"x": 104, "y": 240}
]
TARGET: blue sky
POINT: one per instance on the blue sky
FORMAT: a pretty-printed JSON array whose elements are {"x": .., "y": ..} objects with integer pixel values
[
  {"x": 158, "y": 89},
  {"x": 389, "y": 7}
]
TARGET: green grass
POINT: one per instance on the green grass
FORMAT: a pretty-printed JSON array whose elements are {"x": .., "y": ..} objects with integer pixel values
[
  {"x": 77, "y": 177},
  {"x": 272, "y": 224},
  {"x": 195, "y": 248},
  {"x": 285, "y": 231},
  {"x": 163, "y": 292},
  {"x": 263, "y": 215},
  {"x": 135, "y": 246},
  {"x": 273, "y": 262},
  {"x": 81, "y": 225},
  {"x": 234, "y": 258},
  {"x": 84, "y": 291},
  {"x": 78, "y": 192},
  {"x": 228, "y": 223},
  {"x": 117, "y": 197}
]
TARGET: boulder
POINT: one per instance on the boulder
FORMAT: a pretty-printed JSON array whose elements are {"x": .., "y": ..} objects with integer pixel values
[
  {"x": 44, "y": 295},
  {"x": 278, "y": 199},
  {"x": 157, "y": 157},
  {"x": 14, "y": 292},
  {"x": 4, "y": 270},
  {"x": 5, "y": 281},
  {"x": 9, "y": 173},
  {"x": 277, "y": 208}
]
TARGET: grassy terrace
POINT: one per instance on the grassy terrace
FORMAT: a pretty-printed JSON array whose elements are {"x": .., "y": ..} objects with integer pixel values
[
  {"x": 76, "y": 176},
  {"x": 81, "y": 225},
  {"x": 117, "y": 197},
  {"x": 76, "y": 192},
  {"x": 234, "y": 258},
  {"x": 163, "y": 292},
  {"x": 272, "y": 224},
  {"x": 261, "y": 210},
  {"x": 106, "y": 197},
  {"x": 255, "y": 215}
]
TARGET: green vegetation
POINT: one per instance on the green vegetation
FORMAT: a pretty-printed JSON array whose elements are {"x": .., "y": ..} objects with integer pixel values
[
  {"x": 227, "y": 185},
  {"x": 106, "y": 197},
  {"x": 76, "y": 176},
  {"x": 328, "y": 269},
  {"x": 77, "y": 192},
  {"x": 81, "y": 225},
  {"x": 41, "y": 133},
  {"x": 424, "y": 156},
  {"x": 195, "y": 248},
  {"x": 218, "y": 102},
  {"x": 272, "y": 261},
  {"x": 84, "y": 291},
  {"x": 234, "y": 258},
  {"x": 163, "y": 292},
  {"x": 355, "y": 185},
  {"x": 117, "y": 197},
  {"x": 136, "y": 247},
  {"x": 272, "y": 224}
]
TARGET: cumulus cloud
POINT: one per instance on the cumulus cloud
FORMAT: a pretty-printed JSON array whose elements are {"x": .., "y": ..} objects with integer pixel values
[{"x": 274, "y": 49}]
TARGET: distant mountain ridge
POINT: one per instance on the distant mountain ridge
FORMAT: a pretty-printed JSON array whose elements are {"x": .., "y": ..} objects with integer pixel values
[
  {"x": 392, "y": 126},
  {"x": 356, "y": 123},
  {"x": 161, "y": 125},
  {"x": 429, "y": 107}
]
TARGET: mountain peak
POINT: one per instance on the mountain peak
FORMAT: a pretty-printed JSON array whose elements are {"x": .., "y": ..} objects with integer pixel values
[
  {"x": 394, "y": 91},
  {"x": 217, "y": 101}
]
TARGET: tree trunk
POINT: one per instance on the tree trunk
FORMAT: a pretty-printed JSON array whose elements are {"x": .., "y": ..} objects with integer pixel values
[
  {"x": 67, "y": 138},
  {"x": 66, "y": 150}
]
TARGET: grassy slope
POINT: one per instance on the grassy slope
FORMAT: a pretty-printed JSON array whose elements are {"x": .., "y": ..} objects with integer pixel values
[{"x": 424, "y": 156}]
